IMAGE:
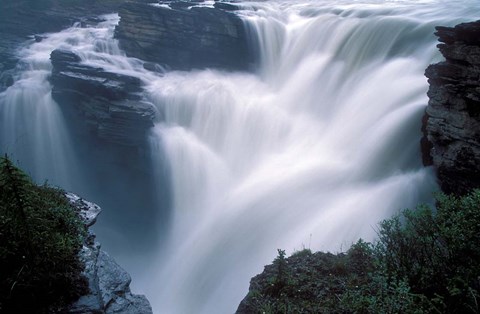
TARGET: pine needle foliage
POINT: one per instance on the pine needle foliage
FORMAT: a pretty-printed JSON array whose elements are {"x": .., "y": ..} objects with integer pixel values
[{"x": 40, "y": 237}]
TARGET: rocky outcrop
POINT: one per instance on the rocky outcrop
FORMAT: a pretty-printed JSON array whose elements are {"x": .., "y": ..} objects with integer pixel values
[
  {"x": 308, "y": 282},
  {"x": 451, "y": 124},
  {"x": 182, "y": 35},
  {"x": 108, "y": 283},
  {"x": 110, "y": 103}
]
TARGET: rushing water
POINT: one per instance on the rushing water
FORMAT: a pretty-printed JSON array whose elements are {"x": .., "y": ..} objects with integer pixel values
[{"x": 311, "y": 150}]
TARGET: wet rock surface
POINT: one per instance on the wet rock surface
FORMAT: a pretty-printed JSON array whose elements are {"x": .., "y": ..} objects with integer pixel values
[
  {"x": 182, "y": 35},
  {"x": 109, "y": 284},
  {"x": 109, "y": 103},
  {"x": 451, "y": 124}
]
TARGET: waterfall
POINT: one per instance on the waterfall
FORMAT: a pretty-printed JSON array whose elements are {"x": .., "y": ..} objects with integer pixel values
[
  {"x": 311, "y": 150},
  {"x": 32, "y": 127},
  {"x": 33, "y": 130},
  {"x": 36, "y": 135}
]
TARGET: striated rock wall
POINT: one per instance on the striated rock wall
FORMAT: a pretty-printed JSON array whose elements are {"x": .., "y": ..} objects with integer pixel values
[
  {"x": 110, "y": 103},
  {"x": 451, "y": 124},
  {"x": 109, "y": 284},
  {"x": 183, "y": 37}
]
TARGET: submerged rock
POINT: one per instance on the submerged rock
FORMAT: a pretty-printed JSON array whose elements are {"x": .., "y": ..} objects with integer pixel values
[
  {"x": 184, "y": 36},
  {"x": 109, "y": 284},
  {"x": 451, "y": 125}
]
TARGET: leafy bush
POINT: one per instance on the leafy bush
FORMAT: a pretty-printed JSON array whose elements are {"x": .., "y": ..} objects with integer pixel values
[
  {"x": 436, "y": 253},
  {"x": 425, "y": 261},
  {"x": 40, "y": 237}
]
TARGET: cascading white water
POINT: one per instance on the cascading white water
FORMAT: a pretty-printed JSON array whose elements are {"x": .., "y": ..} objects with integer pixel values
[
  {"x": 33, "y": 131},
  {"x": 32, "y": 127},
  {"x": 311, "y": 150}
]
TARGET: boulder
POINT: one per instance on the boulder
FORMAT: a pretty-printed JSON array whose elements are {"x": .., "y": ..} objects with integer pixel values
[
  {"x": 109, "y": 284},
  {"x": 110, "y": 104},
  {"x": 451, "y": 125},
  {"x": 184, "y": 36}
]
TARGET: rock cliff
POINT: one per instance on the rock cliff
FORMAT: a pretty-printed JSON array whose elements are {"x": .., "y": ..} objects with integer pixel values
[
  {"x": 110, "y": 103},
  {"x": 107, "y": 281},
  {"x": 183, "y": 35},
  {"x": 451, "y": 124}
]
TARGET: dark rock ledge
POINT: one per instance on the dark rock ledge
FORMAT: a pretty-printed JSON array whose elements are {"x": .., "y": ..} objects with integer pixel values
[
  {"x": 451, "y": 125},
  {"x": 110, "y": 103},
  {"x": 109, "y": 284},
  {"x": 184, "y": 36}
]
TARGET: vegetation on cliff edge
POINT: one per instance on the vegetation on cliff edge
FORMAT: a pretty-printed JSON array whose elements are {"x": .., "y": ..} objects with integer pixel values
[
  {"x": 40, "y": 237},
  {"x": 425, "y": 261}
]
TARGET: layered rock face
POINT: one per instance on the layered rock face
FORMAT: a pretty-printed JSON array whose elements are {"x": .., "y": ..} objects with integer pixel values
[
  {"x": 451, "y": 125},
  {"x": 109, "y": 284},
  {"x": 182, "y": 35},
  {"x": 110, "y": 103}
]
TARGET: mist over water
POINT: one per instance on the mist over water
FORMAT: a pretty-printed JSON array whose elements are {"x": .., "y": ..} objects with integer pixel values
[
  {"x": 35, "y": 133},
  {"x": 312, "y": 149}
]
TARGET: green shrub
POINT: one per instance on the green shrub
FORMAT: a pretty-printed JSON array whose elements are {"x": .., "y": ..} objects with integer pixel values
[
  {"x": 40, "y": 237},
  {"x": 436, "y": 253},
  {"x": 303, "y": 252}
]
